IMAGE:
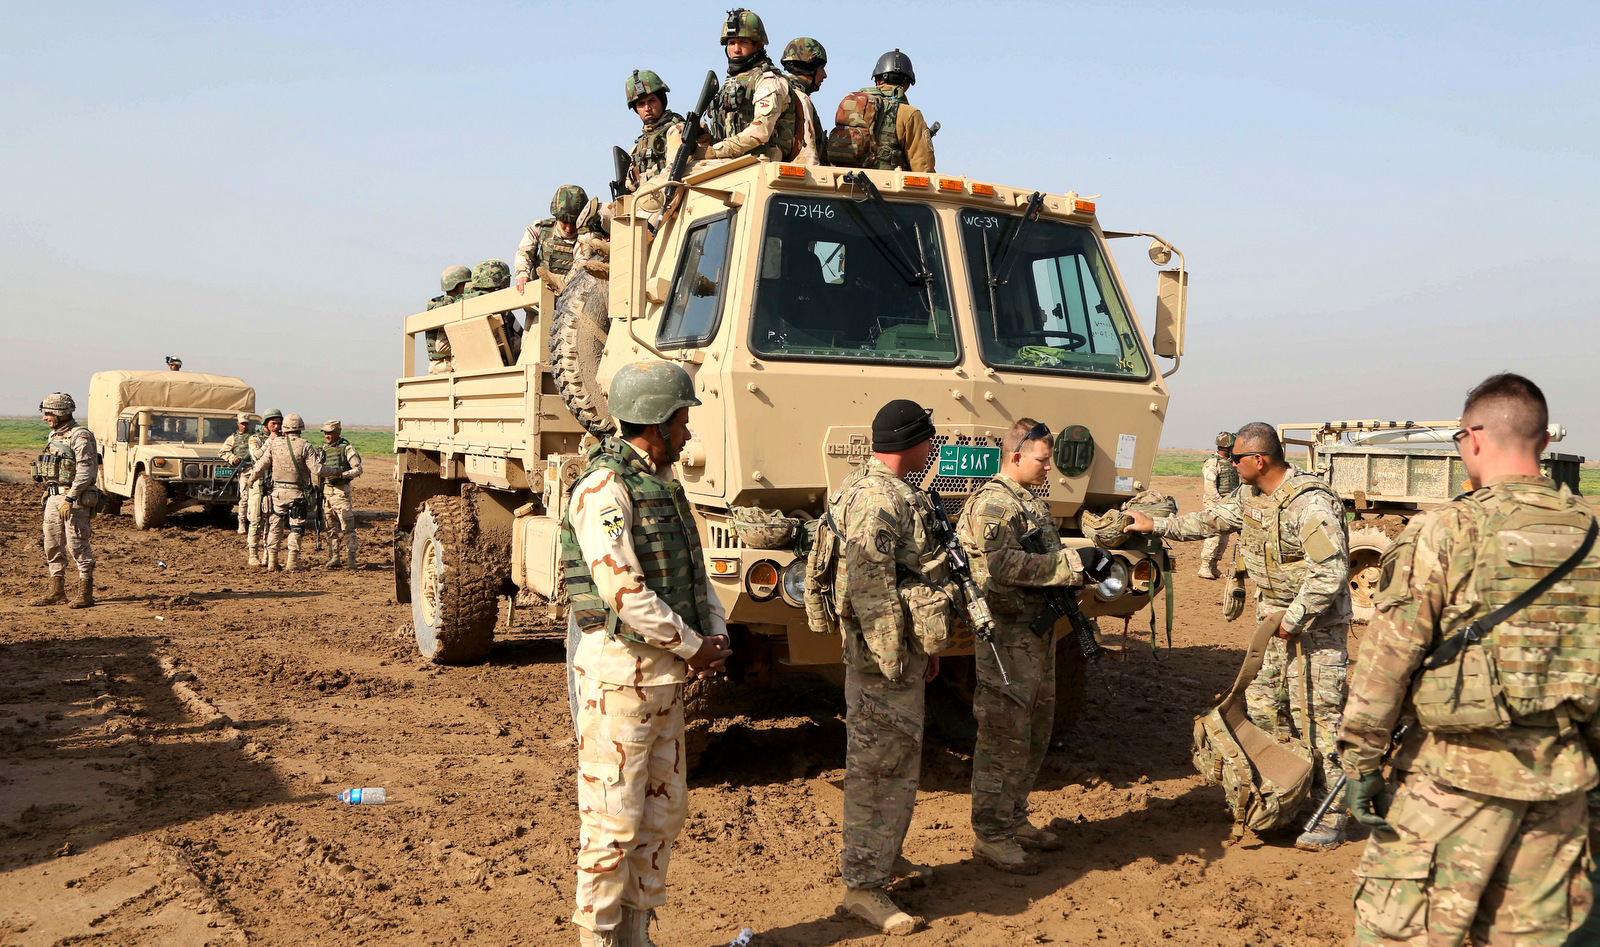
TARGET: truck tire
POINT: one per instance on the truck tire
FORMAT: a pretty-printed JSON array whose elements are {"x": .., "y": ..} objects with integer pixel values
[
  {"x": 578, "y": 332},
  {"x": 949, "y": 699},
  {"x": 149, "y": 502},
  {"x": 454, "y": 604},
  {"x": 1072, "y": 684},
  {"x": 700, "y": 716},
  {"x": 1367, "y": 547}
]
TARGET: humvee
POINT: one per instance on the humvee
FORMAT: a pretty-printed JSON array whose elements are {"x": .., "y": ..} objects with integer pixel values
[
  {"x": 800, "y": 300},
  {"x": 160, "y": 436}
]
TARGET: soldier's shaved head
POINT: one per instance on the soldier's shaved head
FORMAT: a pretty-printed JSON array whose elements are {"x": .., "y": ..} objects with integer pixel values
[
  {"x": 1259, "y": 436},
  {"x": 1511, "y": 409},
  {"x": 1013, "y": 438}
]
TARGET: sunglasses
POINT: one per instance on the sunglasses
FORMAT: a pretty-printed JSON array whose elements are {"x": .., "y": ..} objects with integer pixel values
[
  {"x": 1235, "y": 458},
  {"x": 1461, "y": 435},
  {"x": 1038, "y": 432}
]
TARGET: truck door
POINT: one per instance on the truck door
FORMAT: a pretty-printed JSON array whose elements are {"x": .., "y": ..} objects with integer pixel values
[{"x": 115, "y": 455}]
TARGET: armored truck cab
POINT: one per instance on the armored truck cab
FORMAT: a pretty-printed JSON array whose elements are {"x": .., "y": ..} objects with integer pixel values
[{"x": 800, "y": 300}]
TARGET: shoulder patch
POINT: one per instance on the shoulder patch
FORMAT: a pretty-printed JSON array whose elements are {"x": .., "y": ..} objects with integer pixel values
[
  {"x": 991, "y": 532},
  {"x": 1394, "y": 574},
  {"x": 611, "y": 521},
  {"x": 1319, "y": 547},
  {"x": 884, "y": 541}
]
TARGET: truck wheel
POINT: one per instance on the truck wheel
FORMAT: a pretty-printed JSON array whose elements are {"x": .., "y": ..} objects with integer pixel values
[
  {"x": 699, "y": 717},
  {"x": 454, "y": 604},
  {"x": 109, "y": 504},
  {"x": 149, "y": 502},
  {"x": 577, "y": 342},
  {"x": 1367, "y": 547}
]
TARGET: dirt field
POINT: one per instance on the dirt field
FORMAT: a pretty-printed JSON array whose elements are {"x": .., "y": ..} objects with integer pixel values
[{"x": 169, "y": 762}]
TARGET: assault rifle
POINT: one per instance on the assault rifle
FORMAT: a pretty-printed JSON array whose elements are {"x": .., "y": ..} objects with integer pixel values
[
  {"x": 977, "y": 609},
  {"x": 1338, "y": 784},
  {"x": 691, "y": 138},
  {"x": 1061, "y": 603},
  {"x": 621, "y": 163}
]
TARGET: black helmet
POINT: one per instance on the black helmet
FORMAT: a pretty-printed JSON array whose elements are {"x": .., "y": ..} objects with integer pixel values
[{"x": 894, "y": 61}]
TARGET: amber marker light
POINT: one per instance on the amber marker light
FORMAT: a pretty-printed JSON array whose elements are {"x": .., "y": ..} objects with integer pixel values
[
  {"x": 791, "y": 171},
  {"x": 915, "y": 180},
  {"x": 945, "y": 184},
  {"x": 983, "y": 190},
  {"x": 725, "y": 567},
  {"x": 1083, "y": 207},
  {"x": 762, "y": 580}
]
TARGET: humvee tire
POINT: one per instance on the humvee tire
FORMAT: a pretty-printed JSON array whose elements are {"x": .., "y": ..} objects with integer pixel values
[
  {"x": 1367, "y": 547},
  {"x": 454, "y": 605},
  {"x": 577, "y": 341},
  {"x": 149, "y": 502}
]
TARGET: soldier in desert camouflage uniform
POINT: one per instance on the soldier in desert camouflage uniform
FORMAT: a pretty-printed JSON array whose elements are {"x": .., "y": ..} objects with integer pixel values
[
  {"x": 292, "y": 464},
  {"x": 754, "y": 112},
  {"x": 647, "y": 96},
  {"x": 647, "y": 620},
  {"x": 1217, "y": 480},
  {"x": 548, "y": 245},
  {"x": 1486, "y": 840},
  {"x": 453, "y": 281},
  {"x": 236, "y": 451},
  {"x": 1293, "y": 542},
  {"x": 341, "y": 464},
  {"x": 1015, "y": 720},
  {"x": 895, "y": 605},
  {"x": 69, "y": 468}
]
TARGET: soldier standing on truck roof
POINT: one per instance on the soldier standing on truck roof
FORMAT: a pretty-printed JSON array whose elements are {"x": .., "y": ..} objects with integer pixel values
[
  {"x": 341, "y": 463},
  {"x": 68, "y": 468},
  {"x": 547, "y": 245},
  {"x": 1015, "y": 718},
  {"x": 754, "y": 112},
  {"x": 898, "y": 138},
  {"x": 807, "y": 64},
  {"x": 292, "y": 464},
  {"x": 453, "y": 281},
  {"x": 1293, "y": 541},
  {"x": 1217, "y": 480},
  {"x": 894, "y": 602},
  {"x": 649, "y": 620},
  {"x": 1487, "y": 837},
  {"x": 236, "y": 451},
  {"x": 647, "y": 96}
]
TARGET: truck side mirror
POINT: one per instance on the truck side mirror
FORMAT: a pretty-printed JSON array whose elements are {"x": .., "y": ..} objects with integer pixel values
[
  {"x": 124, "y": 430},
  {"x": 1172, "y": 291}
]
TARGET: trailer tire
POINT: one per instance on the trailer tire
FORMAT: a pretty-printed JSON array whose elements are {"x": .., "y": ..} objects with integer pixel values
[
  {"x": 149, "y": 502},
  {"x": 454, "y": 600},
  {"x": 1367, "y": 547},
  {"x": 578, "y": 331}
]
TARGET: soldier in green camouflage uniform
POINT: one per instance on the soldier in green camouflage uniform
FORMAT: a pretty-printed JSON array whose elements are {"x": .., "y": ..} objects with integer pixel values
[
  {"x": 1293, "y": 542},
  {"x": 491, "y": 276},
  {"x": 806, "y": 61},
  {"x": 236, "y": 451},
  {"x": 453, "y": 281},
  {"x": 647, "y": 96},
  {"x": 1486, "y": 840},
  {"x": 549, "y": 244},
  {"x": 341, "y": 464},
  {"x": 1015, "y": 719},
  {"x": 894, "y": 601}
]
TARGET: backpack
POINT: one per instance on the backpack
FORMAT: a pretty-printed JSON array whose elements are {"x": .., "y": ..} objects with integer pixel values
[
  {"x": 822, "y": 610},
  {"x": 1263, "y": 781},
  {"x": 854, "y": 140}
]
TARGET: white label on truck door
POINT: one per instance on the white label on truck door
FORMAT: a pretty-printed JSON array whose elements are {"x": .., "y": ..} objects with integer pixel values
[
  {"x": 1126, "y": 445},
  {"x": 1123, "y": 485}
]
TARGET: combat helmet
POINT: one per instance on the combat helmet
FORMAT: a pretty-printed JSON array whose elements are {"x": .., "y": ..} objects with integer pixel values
[
  {"x": 804, "y": 54},
  {"x": 742, "y": 24},
  {"x": 293, "y": 424},
  {"x": 642, "y": 83},
  {"x": 894, "y": 62},
  {"x": 650, "y": 392},
  {"x": 454, "y": 276},
  {"x": 58, "y": 402},
  {"x": 331, "y": 427},
  {"x": 488, "y": 276},
  {"x": 568, "y": 203},
  {"x": 273, "y": 415},
  {"x": 1225, "y": 440}
]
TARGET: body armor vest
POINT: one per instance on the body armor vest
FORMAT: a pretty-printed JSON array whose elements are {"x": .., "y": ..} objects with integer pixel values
[
  {"x": 1013, "y": 599},
  {"x": 734, "y": 108},
  {"x": 239, "y": 446},
  {"x": 334, "y": 458},
  {"x": 1227, "y": 476},
  {"x": 888, "y": 154},
  {"x": 555, "y": 251},
  {"x": 290, "y": 458},
  {"x": 649, "y": 155},
  {"x": 665, "y": 541},
  {"x": 1275, "y": 559},
  {"x": 60, "y": 460}
]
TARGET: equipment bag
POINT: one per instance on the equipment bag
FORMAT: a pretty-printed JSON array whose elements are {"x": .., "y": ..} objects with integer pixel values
[
  {"x": 822, "y": 614},
  {"x": 852, "y": 142},
  {"x": 1263, "y": 781}
]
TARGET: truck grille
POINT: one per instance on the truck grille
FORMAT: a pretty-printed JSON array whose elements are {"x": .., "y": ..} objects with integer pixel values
[{"x": 955, "y": 490}]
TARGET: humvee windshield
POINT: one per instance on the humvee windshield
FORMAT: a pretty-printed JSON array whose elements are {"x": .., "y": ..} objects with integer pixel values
[
  {"x": 1058, "y": 307},
  {"x": 846, "y": 279},
  {"x": 173, "y": 429}
]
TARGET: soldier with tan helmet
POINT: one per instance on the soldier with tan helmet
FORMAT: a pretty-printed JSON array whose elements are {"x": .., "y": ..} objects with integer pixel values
[
  {"x": 648, "y": 620},
  {"x": 68, "y": 468},
  {"x": 341, "y": 464},
  {"x": 236, "y": 451},
  {"x": 453, "y": 281},
  {"x": 647, "y": 96},
  {"x": 548, "y": 245},
  {"x": 807, "y": 64},
  {"x": 878, "y": 127},
  {"x": 292, "y": 464},
  {"x": 754, "y": 113},
  {"x": 1218, "y": 478}
]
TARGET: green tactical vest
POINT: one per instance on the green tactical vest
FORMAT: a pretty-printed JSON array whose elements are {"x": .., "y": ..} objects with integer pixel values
[
  {"x": 734, "y": 109},
  {"x": 333, "y": 458},
  {"x": 1227, "y": 476},
  {"x": 649, "y": 155},
  {"x": 58, "y": 465},
  {"x": 432, "y": 336},
  {"x": 1276, "y": 561},
  {"x": 239, "y": 446},
  {"x": 664, "y": 538},
  {"x": 888, "y": 153},
  {"x": 555, "y": 251}
]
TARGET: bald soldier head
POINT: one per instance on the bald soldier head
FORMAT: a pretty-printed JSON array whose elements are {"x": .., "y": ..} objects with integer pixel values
[{"x": 1504, "y": 428}]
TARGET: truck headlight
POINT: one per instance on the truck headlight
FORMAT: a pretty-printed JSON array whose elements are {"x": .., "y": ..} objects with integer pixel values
[
  {"x": 794, "y": 583},
  {"x": 761, "y": 581},
  {"x": 191, "y": 471},
  {"x": 1113, "y": 586}
]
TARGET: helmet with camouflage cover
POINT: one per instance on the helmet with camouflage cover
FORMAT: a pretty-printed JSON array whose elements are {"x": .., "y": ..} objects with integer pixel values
[
  {"x": 764, "y": 529},
  {"x": 453, "y": 276},
  {"x": 895, "y": 62},
  {"x": 742, "y": 24},
  {"x": 650, "y": 392},
  {"x": 642, "y": 83},
  {"x": 804, "y": 54},
  {"x": 1106, "y": 528},
  {"x": 293, "y": 424},
  {"x": 273, "y": 415},
  {"x": 568, "y": 203},
  {"x": 332, "y": 427},
  {"x": 1224, "y": 440},
  {"x": 57, "y": 402},
  {"x": 491, "y": 274}
]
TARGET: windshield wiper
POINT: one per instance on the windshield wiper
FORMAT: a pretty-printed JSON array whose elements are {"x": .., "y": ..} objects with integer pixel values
[
  {"x": 888, "y": 243},
  {"x": 997, "y": 264}
]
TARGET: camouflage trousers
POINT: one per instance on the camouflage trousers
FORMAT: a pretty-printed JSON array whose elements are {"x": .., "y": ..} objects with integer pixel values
[
  {"x": 1212, "y": 551},
  {"x": 882, "y": 765},
  {"x": 254, "y": 509},
  {"x": 62, "y": 537},
  {"x": 1282, "y": 690},
  {"x": 288, "y": 513},
  {"x": 339, "y": 515},
  {"x": 1500, "y": 871},
  {"x": 1014, "y": 725},
  {"x": 633, "y": 797}
]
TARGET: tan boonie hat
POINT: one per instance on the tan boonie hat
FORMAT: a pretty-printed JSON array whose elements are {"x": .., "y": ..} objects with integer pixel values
[{"x": 330, "y": 427}]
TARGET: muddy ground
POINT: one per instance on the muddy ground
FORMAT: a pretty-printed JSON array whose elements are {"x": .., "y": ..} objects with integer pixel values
[{"x": 169, "y": 762}]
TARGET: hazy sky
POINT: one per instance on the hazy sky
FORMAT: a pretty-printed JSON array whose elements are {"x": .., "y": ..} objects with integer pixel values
[{"x": 1380, "y": 203}]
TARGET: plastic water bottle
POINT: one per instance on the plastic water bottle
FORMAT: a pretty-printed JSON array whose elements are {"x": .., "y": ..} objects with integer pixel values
[{"x": 371, "y": 796}]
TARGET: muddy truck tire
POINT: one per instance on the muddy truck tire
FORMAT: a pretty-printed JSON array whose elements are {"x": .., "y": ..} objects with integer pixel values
[
  {"x": 454, "y": 600},
  {"x": 149, "y": 502},
  {"x": 1367, "y": 547},
  {"x": 578, "y": 332},
  {"x": 949, "y": 698}
]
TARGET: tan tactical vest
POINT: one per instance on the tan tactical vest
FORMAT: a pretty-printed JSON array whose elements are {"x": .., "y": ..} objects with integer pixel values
[{"x": 1275, "y": 559}]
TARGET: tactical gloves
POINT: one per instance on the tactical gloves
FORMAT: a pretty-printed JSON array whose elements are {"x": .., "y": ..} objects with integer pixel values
[
  {"x": 1096, "y": 563},
  {"x": 64, "y": 508},
  {"x": 1364, "y": 797}
]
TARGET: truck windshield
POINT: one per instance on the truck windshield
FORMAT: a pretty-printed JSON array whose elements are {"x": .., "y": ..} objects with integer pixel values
[
  {"x": 839, "y": 280},
  {"x": 172, "y": 429},
  {"x": 1058, "y": 306},
  {"x": 218, "y": 429}
]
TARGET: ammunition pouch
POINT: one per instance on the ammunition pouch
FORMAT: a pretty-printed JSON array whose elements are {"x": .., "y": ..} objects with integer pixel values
[{"x": 1461, "y": 696}]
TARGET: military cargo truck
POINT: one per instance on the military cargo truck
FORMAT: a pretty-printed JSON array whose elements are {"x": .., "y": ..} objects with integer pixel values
[
  {"x": 800, "y": 300},
  {"x": 160, "y": 436},
  {"x": 1388, "y": 471}
]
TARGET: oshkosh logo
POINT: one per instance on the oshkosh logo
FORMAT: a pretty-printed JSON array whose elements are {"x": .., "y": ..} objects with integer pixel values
[{"x": 857, "y": 449}]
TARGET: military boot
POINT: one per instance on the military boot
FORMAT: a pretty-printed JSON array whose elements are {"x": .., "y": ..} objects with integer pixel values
[
  {"x": 1040, "y": 840},
  {"x": 1006, "y": 855},
  {"x": 874, "y": 906},
  {"x": 635, "y": 927},
  {"x": 255, "y": 556},
  {"x": 292, "y": 564},
  {"x": 272, "y": 560},
  {"x": 1326, "y": 836},
  {"x": 54, "y": 594},
  {"x": 244, "y": 524},
  {"x": 350, "y": 552},
  {"x": 333, "y": 561},
  {"x": 916, "y": 875},
  {"x": 85, "y": 597},
  {"x": 588, "y": 938},
  {"x": 1208, "y": 571}
]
